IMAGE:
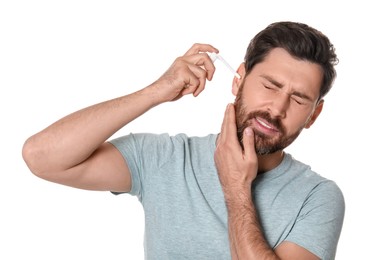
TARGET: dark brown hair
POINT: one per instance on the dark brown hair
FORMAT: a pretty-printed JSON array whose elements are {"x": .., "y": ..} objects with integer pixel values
[{"x": 299, "y": 40}]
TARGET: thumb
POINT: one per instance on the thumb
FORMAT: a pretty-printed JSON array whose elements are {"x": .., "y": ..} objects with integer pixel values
[{"x": 248, "y": 141}]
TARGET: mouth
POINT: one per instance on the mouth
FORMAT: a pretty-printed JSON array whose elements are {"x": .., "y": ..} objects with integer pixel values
[{"x": 264, "y": 126}]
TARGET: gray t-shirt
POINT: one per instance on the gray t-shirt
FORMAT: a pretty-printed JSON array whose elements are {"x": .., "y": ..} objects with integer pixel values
[{"x": 177, "y": 183}]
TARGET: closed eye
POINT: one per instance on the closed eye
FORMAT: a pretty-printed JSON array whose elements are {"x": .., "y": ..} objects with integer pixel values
[
  {"x": 298, "y": 100},
  {"x": 301, "y": 98},
  {"x": 271, "y": 87}
]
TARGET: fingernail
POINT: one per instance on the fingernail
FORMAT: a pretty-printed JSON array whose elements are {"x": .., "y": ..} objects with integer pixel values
[{"x": 248, "y": 131}]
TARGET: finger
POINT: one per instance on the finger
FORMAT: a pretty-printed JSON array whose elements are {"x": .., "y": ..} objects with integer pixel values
[
  {"x": 198, "y": 67},
  {"x": 203, "y": 61},
  {"x": 201, "y": 75},
  {"x": 209, "y": 66},
  {"x": 229, "y": 128},
  {"x": 223, "y": 134},
  {"x": 231, "y": 124},
  {"x": 191, "y": 83},
  {"x": 184, "y": 76},
  {"x": 199, "y": 47},
  {"x": 248, "y": 140}
]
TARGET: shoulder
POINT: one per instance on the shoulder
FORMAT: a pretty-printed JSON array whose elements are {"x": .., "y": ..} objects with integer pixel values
[
  {"x": 328, "y": 196},
  {"x": 322, "y": 191},
  {"x": 319, "y": 188}
]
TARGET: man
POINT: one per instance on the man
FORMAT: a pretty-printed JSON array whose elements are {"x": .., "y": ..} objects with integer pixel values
[{"x": 235, "y": 195}]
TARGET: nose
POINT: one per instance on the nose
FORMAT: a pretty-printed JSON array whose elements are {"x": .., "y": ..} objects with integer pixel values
[{"x": 279, "y": 105}]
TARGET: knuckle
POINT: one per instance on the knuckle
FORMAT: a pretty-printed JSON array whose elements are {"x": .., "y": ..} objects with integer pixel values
[{"x": 196, "y": 45}]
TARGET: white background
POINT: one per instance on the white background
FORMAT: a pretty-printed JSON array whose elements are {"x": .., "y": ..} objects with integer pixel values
[{"x": 60, "y": 56}]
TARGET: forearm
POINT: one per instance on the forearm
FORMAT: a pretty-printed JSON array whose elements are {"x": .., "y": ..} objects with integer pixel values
[
  {"x": 72, "y": 139},
  {"x": 246, "y": 237},
  {"x": 237, "y": 170}
]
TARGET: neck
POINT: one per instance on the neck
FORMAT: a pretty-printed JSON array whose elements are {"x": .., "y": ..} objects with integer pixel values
[{"x": 269, "y": 161}]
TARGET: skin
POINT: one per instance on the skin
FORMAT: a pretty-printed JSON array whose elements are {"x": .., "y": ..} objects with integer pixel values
[{"x": 94, "y": 164}]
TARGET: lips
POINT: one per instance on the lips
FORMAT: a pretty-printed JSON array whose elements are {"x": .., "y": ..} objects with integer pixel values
[{"x": 264, "y": 126}]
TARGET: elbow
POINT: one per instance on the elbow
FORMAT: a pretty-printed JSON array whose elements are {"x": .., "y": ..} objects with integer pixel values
[{"x": 32, "y": 156}]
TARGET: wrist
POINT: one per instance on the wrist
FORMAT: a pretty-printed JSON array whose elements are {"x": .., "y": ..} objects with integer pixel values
[
  {"x": 153, "y": 94},
  {"x": 238, "y": 197}
]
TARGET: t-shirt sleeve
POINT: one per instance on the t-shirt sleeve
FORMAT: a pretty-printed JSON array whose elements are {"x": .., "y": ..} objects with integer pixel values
[
  {"x": 319, "y": 223},
  {"x": 144, "y": 153},
  {"x": 129, "y": 148}
]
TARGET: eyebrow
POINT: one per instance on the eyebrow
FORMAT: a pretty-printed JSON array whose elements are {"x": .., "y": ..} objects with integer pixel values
[{"x": 281, "y": 85}]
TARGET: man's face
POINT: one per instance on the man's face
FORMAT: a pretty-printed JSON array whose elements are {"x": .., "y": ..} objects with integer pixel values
[{"x": 278, "y": 99}]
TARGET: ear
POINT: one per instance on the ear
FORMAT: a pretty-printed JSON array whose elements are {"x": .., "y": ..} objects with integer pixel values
[
  {"x": 236, "y": 83},
  {"x": 315, "y": 114}
]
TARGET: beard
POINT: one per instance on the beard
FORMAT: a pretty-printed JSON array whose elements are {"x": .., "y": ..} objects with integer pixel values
[{"x": 264, "y": 144}]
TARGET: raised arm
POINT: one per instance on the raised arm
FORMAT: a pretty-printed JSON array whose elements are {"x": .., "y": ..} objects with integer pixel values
[{"x": 73, "y": 151}]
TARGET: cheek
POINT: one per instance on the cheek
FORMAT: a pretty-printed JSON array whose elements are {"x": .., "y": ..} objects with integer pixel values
[
  {"x": 296, "y": 120},
  {"x": 253, "y": 98}
]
